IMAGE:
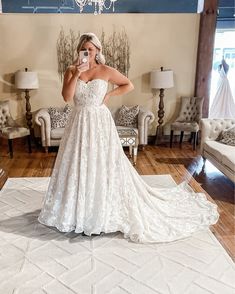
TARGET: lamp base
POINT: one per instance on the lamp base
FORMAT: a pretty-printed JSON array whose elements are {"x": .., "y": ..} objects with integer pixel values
[
  {"x": 28, "y": 114},
  {"x": 159, "y": 135},
  {"x": 159, "y": 130}
]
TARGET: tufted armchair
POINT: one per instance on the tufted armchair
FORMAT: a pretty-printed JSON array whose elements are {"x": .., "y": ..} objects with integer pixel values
[
  {"x": 52, "y": 137},
  {"x": 188, "y": 119},
  {"x": 9, "y": 129}
]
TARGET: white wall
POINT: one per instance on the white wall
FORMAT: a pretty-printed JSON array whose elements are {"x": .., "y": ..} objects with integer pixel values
[{"x": 168, "y": 40}]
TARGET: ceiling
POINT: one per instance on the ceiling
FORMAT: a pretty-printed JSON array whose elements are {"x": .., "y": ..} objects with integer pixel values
[
  {"x": 121, "y": 6},
  {"x": 226, "y": 14},
  {"x": 226, "y": 8}
]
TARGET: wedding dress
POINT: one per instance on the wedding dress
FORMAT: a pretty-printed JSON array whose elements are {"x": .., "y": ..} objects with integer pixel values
[
  {"x": 223, "y": 105},
  {"x": 94, "y": 188}
]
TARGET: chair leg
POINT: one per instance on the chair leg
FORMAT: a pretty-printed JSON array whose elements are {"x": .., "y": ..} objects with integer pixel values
[
  {"x": 194, "y": 140},
  {"x": 171, "y": 139},
  {"x": 204, "y": 163},
  {"x": 10, "y": 147},
  {"x": 29, "y": 143},
  {"x": 141, "y": 147},
  {"x": 197, "y": 138},
  {"x": 181, "y": 137},
  {"x": 191, "y": 138}
]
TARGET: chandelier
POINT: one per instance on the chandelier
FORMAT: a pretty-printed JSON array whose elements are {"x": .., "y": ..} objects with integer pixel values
[{"x": 99, "y": 5}]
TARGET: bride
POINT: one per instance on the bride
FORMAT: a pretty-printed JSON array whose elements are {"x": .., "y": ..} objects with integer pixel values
[{"x": 93, "y": 187}]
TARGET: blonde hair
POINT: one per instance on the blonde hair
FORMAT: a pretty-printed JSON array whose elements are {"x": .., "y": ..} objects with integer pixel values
[{"x": 90, "y": 37}]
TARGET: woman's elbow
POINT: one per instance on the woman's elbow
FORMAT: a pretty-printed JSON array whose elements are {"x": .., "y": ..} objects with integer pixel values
[
  {"x": 65, "y": 97},
  {"x": 131, "y": 86}
]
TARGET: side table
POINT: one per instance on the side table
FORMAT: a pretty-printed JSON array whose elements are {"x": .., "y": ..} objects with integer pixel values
[{"x": 129, "y": 138}]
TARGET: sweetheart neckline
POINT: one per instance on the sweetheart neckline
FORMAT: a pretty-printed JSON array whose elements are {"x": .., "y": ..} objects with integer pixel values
[{"x": 92, "y": 81}]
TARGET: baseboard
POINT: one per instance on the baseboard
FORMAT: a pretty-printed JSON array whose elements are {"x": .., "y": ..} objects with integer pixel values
[{"x": 166, "y": 139}]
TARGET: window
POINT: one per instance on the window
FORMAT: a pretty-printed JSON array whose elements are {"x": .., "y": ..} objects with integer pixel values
[{"x": 224, "y": 47}]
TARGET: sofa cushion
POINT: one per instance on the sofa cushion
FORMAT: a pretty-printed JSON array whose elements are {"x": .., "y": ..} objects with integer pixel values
[
  {"x": 225, "y": 154},
  {"x": 218, "y": 150},
  {"x": 57, "y": 133},
  {"x": 185, "y": 126},
  {"x": 59, "y": 117},
  {"x": 14, "y": 132},
  {"x": 127, "y": 116},
  {"x": 228, "y": 136},
  {"x": 229, "y": 159}
]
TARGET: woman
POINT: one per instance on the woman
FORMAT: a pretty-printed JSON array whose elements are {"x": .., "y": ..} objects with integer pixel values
[
  {"x": 94, "y": 188},
  {"x": 97, "y": 70}
]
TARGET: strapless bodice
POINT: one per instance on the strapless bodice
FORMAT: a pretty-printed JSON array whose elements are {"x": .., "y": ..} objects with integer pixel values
[{"x": 91, "y": 93}]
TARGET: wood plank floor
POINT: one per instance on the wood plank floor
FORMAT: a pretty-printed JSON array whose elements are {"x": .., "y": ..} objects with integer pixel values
[{"x": 183, "y": 164}]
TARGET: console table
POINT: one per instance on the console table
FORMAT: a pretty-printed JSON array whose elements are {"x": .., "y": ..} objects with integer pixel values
[{"x": 129, "y": 138}]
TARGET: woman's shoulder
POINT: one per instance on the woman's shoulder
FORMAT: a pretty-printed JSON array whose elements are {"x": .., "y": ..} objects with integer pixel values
[{"x": 108, "y": 68}]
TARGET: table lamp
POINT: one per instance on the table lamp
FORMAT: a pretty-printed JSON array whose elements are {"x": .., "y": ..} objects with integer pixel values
[{"x": 27, "y": 80}]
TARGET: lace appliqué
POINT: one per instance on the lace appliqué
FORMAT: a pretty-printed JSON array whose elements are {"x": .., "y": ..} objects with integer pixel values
[{"x": 94, "y": 188}]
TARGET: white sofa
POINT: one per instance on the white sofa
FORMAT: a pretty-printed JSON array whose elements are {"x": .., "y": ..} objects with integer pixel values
[
  {"x": 51, "y": 137},
  {"x": 221, "y": 155}
]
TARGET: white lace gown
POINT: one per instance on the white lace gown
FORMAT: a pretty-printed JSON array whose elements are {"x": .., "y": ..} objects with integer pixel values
[
  {"x": 94, "y": 188},
  {"x": 223, "y": 105}
]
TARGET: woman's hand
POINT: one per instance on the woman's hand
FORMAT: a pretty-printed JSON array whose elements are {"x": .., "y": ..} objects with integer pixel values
[{"x": 79, "y": 68}]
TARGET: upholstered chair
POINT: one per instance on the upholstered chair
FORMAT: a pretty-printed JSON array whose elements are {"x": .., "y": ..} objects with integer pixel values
[
  {"x": 9, "y": 129},
  {"x": 188, "y": 119}
]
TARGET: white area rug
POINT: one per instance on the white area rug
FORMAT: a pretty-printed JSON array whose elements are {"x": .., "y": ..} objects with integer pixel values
[{"x": 35, "y": 259}]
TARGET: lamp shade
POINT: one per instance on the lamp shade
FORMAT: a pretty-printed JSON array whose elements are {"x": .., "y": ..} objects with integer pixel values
[
  {"x": 161, "y": 79},
  {"x": 26, "y": 80}
]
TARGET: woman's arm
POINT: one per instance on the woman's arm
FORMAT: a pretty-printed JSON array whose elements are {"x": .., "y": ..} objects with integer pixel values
[
  {"x": 123, "y": 83},
  {"x": 70, "y": 80},
  {"x": 71, "y": 76}
]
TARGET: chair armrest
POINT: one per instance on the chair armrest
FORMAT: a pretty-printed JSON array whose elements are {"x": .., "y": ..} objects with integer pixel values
[
  {"x": 145, "y": 117},
  {"x": 42, "y": 118}
]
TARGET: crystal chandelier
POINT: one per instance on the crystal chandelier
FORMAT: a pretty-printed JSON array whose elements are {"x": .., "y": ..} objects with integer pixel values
[{"x": 99, "y": 5}]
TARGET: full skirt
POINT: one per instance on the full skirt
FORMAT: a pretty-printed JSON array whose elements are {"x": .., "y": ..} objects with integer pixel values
[{"x": 94, "y": 188}]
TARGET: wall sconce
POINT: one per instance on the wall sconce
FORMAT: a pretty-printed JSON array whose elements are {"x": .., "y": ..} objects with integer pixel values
[
  {"x": 27, "y": 80},
  {"x": 161, "y": 79}
]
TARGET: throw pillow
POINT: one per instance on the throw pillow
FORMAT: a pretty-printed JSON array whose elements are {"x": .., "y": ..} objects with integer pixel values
[
  {"x": 59, "y": 117},
  {"x": 228, "y": 136},
  {"x": 128, "y": 116}
]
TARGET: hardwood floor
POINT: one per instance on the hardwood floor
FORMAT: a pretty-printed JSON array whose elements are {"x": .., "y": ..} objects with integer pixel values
[{"x": 183, "y": 164}]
